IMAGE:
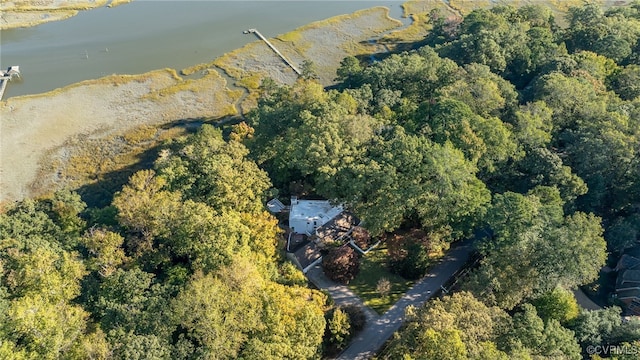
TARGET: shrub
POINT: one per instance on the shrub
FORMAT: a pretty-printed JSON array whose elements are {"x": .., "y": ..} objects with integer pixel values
[
  {"x": 383, "y": 287},
  {"x": 342, "y": 324},
  {"x": 339, "y": 329},
  {"x": 414, "y": 264},
  {"x": 341, "y": 264},
  {"x": 357, "y": 319}
]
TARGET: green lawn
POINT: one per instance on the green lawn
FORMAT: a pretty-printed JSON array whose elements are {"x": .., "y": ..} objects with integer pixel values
[{"x": 372, "y": 269}]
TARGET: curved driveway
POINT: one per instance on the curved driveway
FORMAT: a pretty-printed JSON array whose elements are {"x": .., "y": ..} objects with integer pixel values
[{"x": 376, "y": 332}]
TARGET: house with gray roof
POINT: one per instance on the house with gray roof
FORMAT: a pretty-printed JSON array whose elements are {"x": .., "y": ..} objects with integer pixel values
[{"x": 628, "y": 283}]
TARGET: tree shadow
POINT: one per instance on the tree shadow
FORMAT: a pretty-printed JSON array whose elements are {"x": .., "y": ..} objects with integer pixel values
[
  {"x": 392, "y": 47},
  {"x": 100, "y": 193}
]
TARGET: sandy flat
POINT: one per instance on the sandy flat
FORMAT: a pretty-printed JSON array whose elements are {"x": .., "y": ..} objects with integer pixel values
[
  {"x": 32, "y": 126},
  {"x": 25, "y": 13}
]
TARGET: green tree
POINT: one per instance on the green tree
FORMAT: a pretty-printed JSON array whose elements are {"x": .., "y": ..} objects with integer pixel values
[
  {"x": 625, "y": 82},
  {"x": 66, "y": 207},
  {"x": 105, "y": 250},
  {"x": 139, "y": 347},
  {"x": 39, "y": 317},
  {"x": 339, "y": 329},
  {"x": 172, "y": 230},
  {"x": 536, "y": 248},
  {"x": 485, "y": 141},
  {"x": 133, "y": 302},
  {"x": 46, "y": 329},
  {"x": 293, "y": 324},
  {"x": 350, "y": 71},
  {"x": 444, "y": 344},
  {"x": 237, "y": 314},
  {"x": 601, "y": 327},
  {"x": 414, "y": 263},
  {"x": 309, "y": 70},
  {"x": 613, "y": 33},
  {"x": 144, "y": 205},
  {"x": 623, "y": 233},
  {"x": 205, "y": 168},
  {"x": 548, "y": 340},
  {"x": 216, "y": 317},
  {"x": 417, "y": 75},
  {"x": 29, "y": 226},
  {"x": 558, "y": 304},
  {"x": 459, "y": 326},
  {"x": 405, "y": 175}
]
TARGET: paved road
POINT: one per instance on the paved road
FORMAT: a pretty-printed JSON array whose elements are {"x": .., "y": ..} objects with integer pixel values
[
  {"x": 584, "y": 301},
  {"x": 375, "y": 333}
]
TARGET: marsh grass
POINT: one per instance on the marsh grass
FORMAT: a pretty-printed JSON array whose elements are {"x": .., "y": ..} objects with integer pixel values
[
  {"x": 196, "y": 68},
  {"x": 20, "y": 19},
  {"x": 98, "y": 166},
  {"x": 114, "y": 80},
  {"x": 53, "y": 5},
  {"x": 416, "y": 31},
  {"x": 251, "y": 80}
]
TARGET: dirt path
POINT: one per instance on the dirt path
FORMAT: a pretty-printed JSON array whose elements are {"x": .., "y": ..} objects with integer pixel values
[{"x": 376, "y": 333}]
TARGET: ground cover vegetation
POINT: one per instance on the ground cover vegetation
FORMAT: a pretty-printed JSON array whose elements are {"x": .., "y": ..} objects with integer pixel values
[{"x": 503, "y": 126}]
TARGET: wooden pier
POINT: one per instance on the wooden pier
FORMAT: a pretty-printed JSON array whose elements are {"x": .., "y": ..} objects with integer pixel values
[
  {"x": 6, "y": 76},
  {"x": 258, "y": 34},
  {"x": 3, "y": 85}
]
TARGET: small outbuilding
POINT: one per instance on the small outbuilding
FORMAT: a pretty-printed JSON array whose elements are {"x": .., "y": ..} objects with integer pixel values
[{"x": 275, "y": 206}]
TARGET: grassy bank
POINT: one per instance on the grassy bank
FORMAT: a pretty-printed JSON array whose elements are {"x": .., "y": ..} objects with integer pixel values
[
  {"x": 77, "y": 135},
  {"x": 27, "y": 13},
  {"x": 324, "y": 43},
  {"x": 98, "y": 167}
]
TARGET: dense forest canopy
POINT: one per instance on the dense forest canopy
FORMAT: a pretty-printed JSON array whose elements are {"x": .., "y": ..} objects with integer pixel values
[
  {"x": 563, "y": 119},
  {"x": 183, "y": 265},
  {"x": 502, "y": 126}
]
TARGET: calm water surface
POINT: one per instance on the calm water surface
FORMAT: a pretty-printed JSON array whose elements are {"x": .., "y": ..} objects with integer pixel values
[{"x": 147, "y": 35}]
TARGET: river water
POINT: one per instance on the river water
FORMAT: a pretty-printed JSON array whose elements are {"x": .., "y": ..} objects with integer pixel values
[{"x": 148, "y": 35}]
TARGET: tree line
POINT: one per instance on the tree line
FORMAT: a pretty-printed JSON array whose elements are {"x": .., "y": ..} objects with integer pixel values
[
  {"x": 182, "y": 265},
  {"x": 502, "y": 125}
]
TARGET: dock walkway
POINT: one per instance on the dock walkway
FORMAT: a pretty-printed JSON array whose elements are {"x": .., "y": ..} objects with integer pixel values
[
  {"x": 3, "y": 85},
  {"x": 6, "y": 76},
  {"x": 258, "y": 34}
]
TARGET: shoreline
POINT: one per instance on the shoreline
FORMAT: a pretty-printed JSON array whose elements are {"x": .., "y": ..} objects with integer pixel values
[
  {"x": 22, "y": 13},
  {"x": 37, "y": 129},
  {"x": 40, "y": 132}
]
